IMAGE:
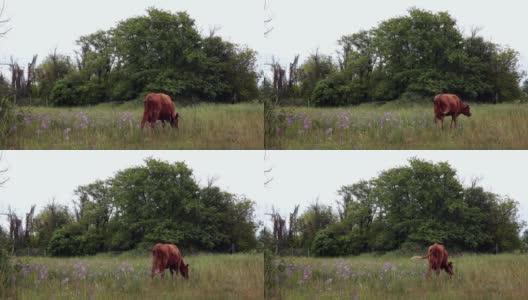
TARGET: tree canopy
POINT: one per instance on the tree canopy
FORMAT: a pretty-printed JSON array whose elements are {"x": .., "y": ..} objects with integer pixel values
[
  {"x": 416, "y": 55},
  {"x": 161, "y": 51},
  {"x": 158, "y": 202},
  {"x": 411, "y": 207}
]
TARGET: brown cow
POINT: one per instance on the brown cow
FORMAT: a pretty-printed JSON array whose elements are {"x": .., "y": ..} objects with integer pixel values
[
  {"x": 168, "y": 256},
  {"x": 449, "y": 105},
  {"x": 437, "y": 256},
  {"x": 159, "y": 107}
]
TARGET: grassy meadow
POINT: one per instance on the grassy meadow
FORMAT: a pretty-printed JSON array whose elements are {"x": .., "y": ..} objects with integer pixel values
[
  {"x": 239, "y": 276},
  {"x": 398, "y": 125},
  {"x": 501, "y": 276},
  {"x": 116, "y": 126}
]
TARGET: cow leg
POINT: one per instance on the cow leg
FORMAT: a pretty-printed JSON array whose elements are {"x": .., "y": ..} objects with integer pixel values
[
  {"x": 429, "y": 272},
  {"x": 144, "y": 120},
  {"x": 152, "y": 124},
  {"x": 163, "y": 123},
  {"x": 178, "y": 265}
]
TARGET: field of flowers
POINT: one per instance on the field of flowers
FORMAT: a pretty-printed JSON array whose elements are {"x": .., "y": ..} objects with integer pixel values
[
  {"x": 392, "y": 277},
  {"x": 399, "y": 126},
  {"x": 106, "y": 126},
  {"x": 239, "y": 276}
]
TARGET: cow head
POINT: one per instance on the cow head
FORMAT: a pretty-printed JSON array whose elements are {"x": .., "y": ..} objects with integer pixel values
[
  {"x": 465, "y": 110},
  {"x": 174, "y": 120},
  {"x": 184, "y": 270}
]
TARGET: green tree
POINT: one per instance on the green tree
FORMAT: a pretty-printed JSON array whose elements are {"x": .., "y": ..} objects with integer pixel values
[
  {"x": 315, "y": 68},
  {"x": 158, "y": 52},
  {"x": 315, "y": 218},
  {"x": 420, "y": 54},
  {"x": 52, "y": 69},
  {"x": 524, "y": 240},
  {"x": 157, "y": 202},
  {"x": 417, "y": 205},
  {"x": 525, "y": 89},
  {"x": 51, "y": 218}
]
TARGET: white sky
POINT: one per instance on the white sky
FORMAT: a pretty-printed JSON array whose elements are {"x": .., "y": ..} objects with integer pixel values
[
  {"x": 299, "y": 177},
  {"x": 40, "y": 26},
  {"x": 301, "y": 26},
  {"x": 35, "y": 177}
]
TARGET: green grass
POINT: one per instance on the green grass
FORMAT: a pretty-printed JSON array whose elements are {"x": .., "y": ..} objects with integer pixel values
[
  {"x": 502, "y": 276},
  {"x": 116, "y": 126},
  {"x": 400, "y": 126},
  {"x": 239, "y": 276}
]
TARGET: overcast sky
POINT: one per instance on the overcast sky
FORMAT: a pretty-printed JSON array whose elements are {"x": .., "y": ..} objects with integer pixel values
[
  {"x": 36, "y": 177},
  {"x": 301, "y": 26},
  {"x": 300, "y": 177},
  {"x": 39, "y": 26}
]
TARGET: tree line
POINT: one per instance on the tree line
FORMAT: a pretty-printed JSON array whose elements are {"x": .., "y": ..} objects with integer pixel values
[
  {"x": 404, "y": 208},
  {"x": 157, "y": 52},
  {"x": 135, "y": 209},
  {"x": 410, "y": 57}
]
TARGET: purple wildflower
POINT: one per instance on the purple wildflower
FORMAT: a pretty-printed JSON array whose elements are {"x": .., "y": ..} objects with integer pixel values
[
  {"x": 307, "y": 274},
  {"x": 307, "y": 123},
  {"x": 25, "y": 270},
  {"x": 44, "y": 123},
  {"x": 84, "y": 120},
  {"x": 126, "y": 268},
  {"x": 387, "y": 266},
  {"x": 126, "y": 119},
  {"x": 289, "y": 271},
  {"x": 80, "y": 270},
  {"x": 27, "y": 119},
  {"x": 344, "y": 121},
  {"x": 43, "y": 274}
]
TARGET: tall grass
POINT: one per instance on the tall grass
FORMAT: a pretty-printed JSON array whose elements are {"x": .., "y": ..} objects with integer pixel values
[
  {"x": 105, "y": 126},
  {"x": 239, "y": 276},
  {"x": 393, "y": 277},
  {"x": 401, "y": 126}
]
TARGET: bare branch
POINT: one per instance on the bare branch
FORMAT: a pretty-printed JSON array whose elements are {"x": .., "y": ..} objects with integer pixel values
[
  {"x": 2, "y": 171},
  {"x": 3, "y": 21},
  {"x": 268, "y": 18}
]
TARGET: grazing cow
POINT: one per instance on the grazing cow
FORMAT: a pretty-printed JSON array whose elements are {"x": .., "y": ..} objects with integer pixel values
[
  {"x": 168, "y": 256},
  {"x": 159, "y": 107},
  {"x": 437, "y": 256},
  {"x": 449, "y": 105}
]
